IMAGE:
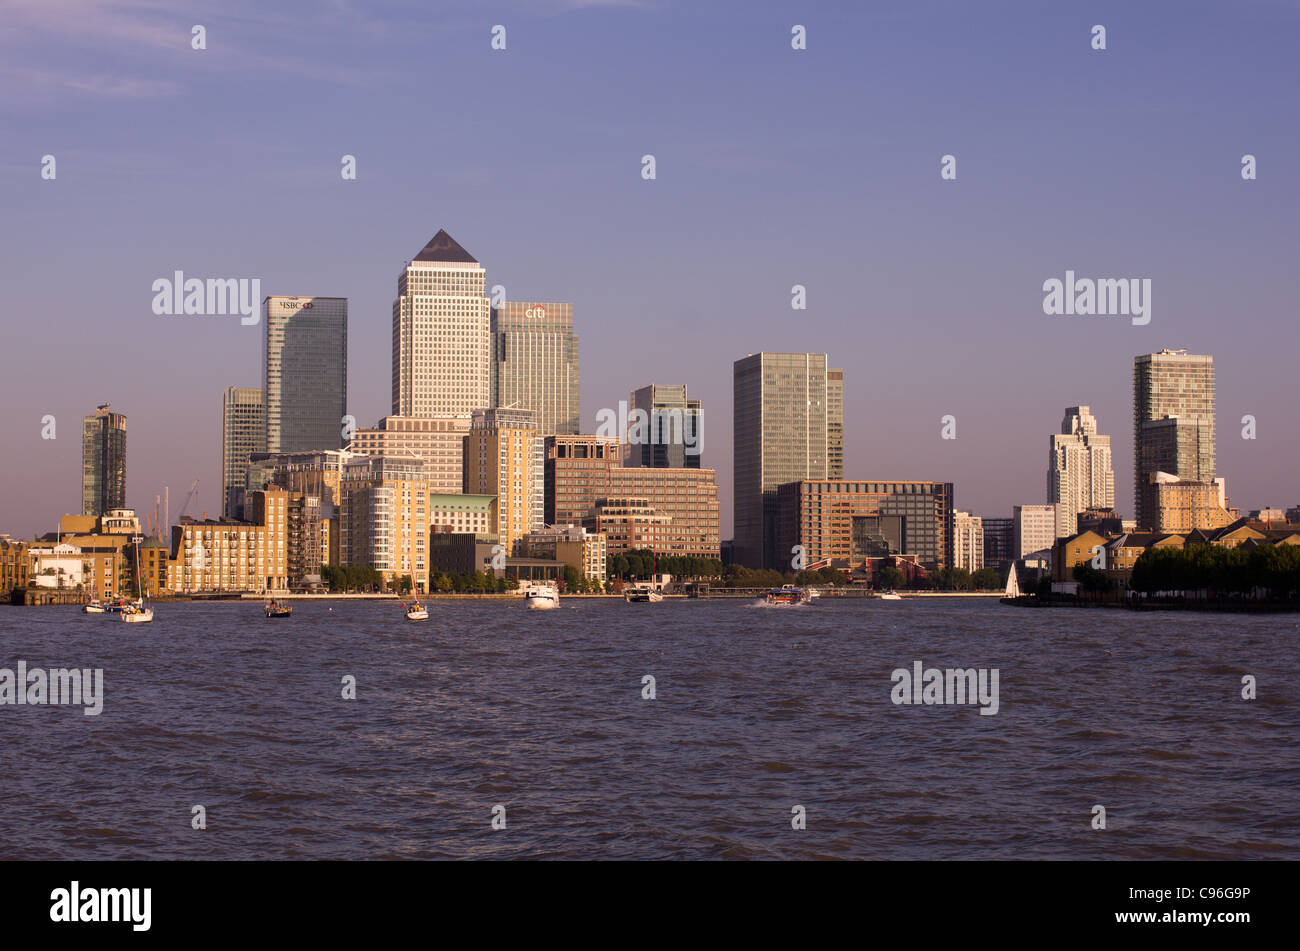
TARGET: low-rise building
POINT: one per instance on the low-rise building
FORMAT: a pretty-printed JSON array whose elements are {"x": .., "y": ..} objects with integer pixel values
[{"x": 573, "y": 545}]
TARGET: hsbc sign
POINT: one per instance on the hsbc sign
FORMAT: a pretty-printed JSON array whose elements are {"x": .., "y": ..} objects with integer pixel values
[{"x": 295, "y": 305}]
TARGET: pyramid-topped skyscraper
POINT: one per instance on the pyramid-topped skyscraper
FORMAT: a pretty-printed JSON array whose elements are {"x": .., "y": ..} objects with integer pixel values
[{"x": 441, "y": 341}]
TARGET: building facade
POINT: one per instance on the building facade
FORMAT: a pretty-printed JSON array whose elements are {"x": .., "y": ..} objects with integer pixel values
[
  {"x": 999, "y": 541},
  {"x": 665, "y": 430},
  {"x": 442, "y": 353},
  {"x": 1080, "y": 475},
  {"x": 577, "y": 475},
  {"x": 504, "y": 458},
  {"x": 438, "y": 442},
  {"x": 849, "y": 522},
  {"x": 305, "y": 372},
  {"x": 1182, "y": 505},
  {"x": 383, "y": 518},
  {"x": 573, "y": 545},
  {"x": 784, "y": 426},
  {"x": 968, "y": 541},
  {"x": 103, "y": 461},
  {"x": 535, "y": 363},
  {"x": 1173, "y": 421},
  {"x": 225, "y": 555},
  {"x": 1034, "y": 528},
  {"x": 243, "y": 432},
  {"x": 460, "y": 514}
]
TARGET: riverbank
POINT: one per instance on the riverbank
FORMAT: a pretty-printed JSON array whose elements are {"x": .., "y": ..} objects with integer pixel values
[{"x": 1163, "y": 604}]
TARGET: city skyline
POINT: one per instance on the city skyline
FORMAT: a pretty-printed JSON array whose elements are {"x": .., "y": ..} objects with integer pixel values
[{"x": 944, "y": 317}]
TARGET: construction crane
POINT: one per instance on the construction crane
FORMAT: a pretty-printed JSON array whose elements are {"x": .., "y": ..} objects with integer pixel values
[{"x": 188, "y": 499}]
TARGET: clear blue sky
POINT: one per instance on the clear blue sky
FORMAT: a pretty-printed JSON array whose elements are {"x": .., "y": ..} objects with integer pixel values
[{"x": 775, "y": 167}]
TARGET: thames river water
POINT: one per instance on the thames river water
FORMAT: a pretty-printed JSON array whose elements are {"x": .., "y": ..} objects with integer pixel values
[{"x": 756, "y": 711}]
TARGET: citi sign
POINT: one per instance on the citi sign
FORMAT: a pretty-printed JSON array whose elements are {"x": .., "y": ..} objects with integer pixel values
[{"x": 537, "y": 310}]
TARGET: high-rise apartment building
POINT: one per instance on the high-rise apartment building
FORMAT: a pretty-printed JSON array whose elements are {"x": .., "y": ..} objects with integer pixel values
[
  {"x": 103, "y": 461},
  {"x": 504, "y": 458},
  {"x": 243, "y": 432},
  {"x": 442, "y": 353},
  {"x": 968, "y": 541},
  {"x": 535, "y": 363},
  {"x": 305, "y": 372},
  {"x": 665, "y": 428},
  {"x": 438, "y": 442},
  {"x": 1079, "y": 474},
  {"x": 787, "y": 419},
  {"x": 1035, "y": 529},
  {"x": 384, "y": 518},
  {"x": 1173, "y": 422}
]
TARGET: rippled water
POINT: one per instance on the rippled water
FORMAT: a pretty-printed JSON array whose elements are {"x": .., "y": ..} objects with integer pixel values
[{"x": 757, "y": 710}]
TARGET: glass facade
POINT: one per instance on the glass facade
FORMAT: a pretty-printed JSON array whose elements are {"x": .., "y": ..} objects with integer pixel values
[
  {"x": 243, "y": 432},
  {"x": 103, "y": 462},
  {"x": 673, "y": 438},
  {"x": 535, "y": 363},
  {"x": 305, "y": 372},
  {"x": 1172, "y": 385}
]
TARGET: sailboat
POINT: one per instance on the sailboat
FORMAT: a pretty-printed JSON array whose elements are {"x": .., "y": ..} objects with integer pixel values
[
  {"x": 1013, "y": 584},
  {"x": 137, "y": 612},
  {"x": 417, "y": 612}
]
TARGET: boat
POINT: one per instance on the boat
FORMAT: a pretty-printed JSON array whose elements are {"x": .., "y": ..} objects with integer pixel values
[
  {"x": 542, "y": 597},
  {"x": 642, "y": 595},
  {"x": 813, "y": 594},
  {"x": 890, "y": 596},
  {"x": 93, "y": 606},
  {"x": 417, "y": 612},
  {"x": 279, "y": 609},
  {"x": 786, "y": 594},
  {"x": 1013, "y": 583},
  {"x": 115, "y": 607},
  {"x": 136, "y": 612}
]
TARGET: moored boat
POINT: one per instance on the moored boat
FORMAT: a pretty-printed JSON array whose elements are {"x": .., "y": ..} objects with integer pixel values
[
  {"x": 279, "y": 609},
  {"x": 542, "y": 597},
  {"x": 642, "y": 595},
  {"x": 417, "y": 612},
  {"x": 890, "y": 596},
  {"x": 93, "y": 606}
]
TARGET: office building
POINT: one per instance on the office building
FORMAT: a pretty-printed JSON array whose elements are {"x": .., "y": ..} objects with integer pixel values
[
  {"x": 664, "y": 429},
  {"x": 573, "y": 545},
  {"x": 1079, "y": 475},
  {"x": 504, "y": 458},
  {"x": 577, "y": 475},
  {"x": 785, "y": 424},
  {"x": 243, "y": 432},
  {"x": 305, "y": 372},
  {"x": 849, "y": 522},
  {"x": 968, "y": 541},
  {"x": 1173, "y": 421},
  {"x": 442, "y": 349},
  {"x": 1034, "y": 528},
  {"x": 999, "y": 541},
  {"x": 438, "y": 442},
  {"x": 460, "y": 514},
  {"x": 535, "y": 363},
  {"x": 103, "y": 461}
]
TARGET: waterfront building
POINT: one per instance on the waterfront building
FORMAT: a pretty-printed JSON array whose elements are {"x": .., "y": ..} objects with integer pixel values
[
  {"x": 535, "y": 363},
  {"x": 1034, "y": 528},
  {"x": 228, "y": 555},
  {"x": 573, "y": 545},
  {"x": 442, "y": 350},
  {"x": 438, "y": 442},
  {"x": 999, "y": 541},
  {"x": 15, "y": 564},
  {"x": 304, "y": 372},
  {"x": 243, "y": 432},
  {"x": 968, "y": 541},
  {"x": 1079, "y": 474},
  {"x": 850, "y": 522},
  {"x": 504, "y": 458},
  {"x": 583, "y": 472},
  {"x": 383, "y": 519},
  {"x": 1173, "y": 422},
  {"x": 665, "y": 428},
  {"x": 103, "y": 461},
  {"x": 459, "y": 514},
  {"x": 787, "y": 417},
  {"x": 1181, "y": 505}
]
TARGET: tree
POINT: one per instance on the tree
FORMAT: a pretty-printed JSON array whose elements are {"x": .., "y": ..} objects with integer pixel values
[
  {"x": 1092, "y": 580},
  {"x": 986, "y": 579},
  {"x": 890, "y": 577}
]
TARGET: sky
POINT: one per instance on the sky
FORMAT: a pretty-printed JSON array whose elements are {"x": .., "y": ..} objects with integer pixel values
[{"x": 774, "y": 167}]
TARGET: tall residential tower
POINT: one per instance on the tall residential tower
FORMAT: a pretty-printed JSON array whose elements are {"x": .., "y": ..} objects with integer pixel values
[
  {"x": 1079, "y": 475},
  {"x": 243, "y": 432},
  {"x": 1173, "y": 422},
  {"x": 103, "y": 462}
]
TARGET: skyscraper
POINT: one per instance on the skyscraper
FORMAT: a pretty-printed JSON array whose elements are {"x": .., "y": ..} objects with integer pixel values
[
  {"x": 442, "y": 353},
  {"x": 535, "y": 363},
  {"x": 243, "y": 431},
  {"x": 784, "y": 424},
  {"x": 305, "y": 372},
  {"x": 672, "y": 438},
  {"x": 103, "y": 462},
  {"x": 1079, "y": 474},
  {"x": 835, "y": 424},
  {"x": 1173, "y": 422}
]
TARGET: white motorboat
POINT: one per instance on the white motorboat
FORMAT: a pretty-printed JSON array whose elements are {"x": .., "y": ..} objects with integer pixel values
[
  {"x": 542, "y": 597},
  {"x": 94, "y": 606},
  {"x": 890, "y": 596},
  {"x": 642, "y": 595}
]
